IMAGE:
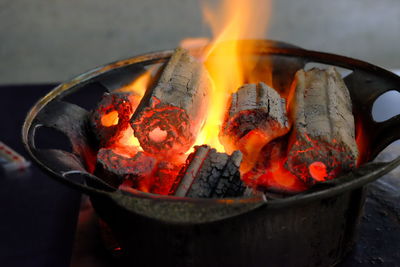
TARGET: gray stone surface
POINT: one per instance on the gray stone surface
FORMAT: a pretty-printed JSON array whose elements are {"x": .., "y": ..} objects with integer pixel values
[{"x": 53, "y": 40}]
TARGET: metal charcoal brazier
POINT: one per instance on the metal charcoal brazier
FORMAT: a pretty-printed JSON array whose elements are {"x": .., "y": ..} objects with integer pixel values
[{"x": 314, "y": 228}]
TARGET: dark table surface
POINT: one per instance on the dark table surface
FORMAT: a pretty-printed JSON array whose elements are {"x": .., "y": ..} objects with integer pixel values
[
  {"x": 44, "y": 223},
  {"x": 37, "y": 215}
]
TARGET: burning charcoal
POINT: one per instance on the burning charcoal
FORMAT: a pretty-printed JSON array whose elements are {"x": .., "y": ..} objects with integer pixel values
[
  {"x": 257, "y": 115},
  {"x": 115, "y": 168},
  {"x": 270, "y": 173},
  {"x": 322, "y": 144},
  {"x": 111, "y": 116},
  {"x": 210, "y": 174},
  {"x": 164, "y": 178},
  {"x": 230, "y": 184},
  {"x": 171, "y": 114}
]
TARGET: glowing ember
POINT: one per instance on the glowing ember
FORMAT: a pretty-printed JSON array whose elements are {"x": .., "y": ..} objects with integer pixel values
[
  {"x": 274, "y": 178},
  {"x": 318, "y": 171},
  {"x": 176, "y": 104},
  {"x": 127, "y": 139},
  {"x": 323, "y": 126},
  {"x": 256, "y": 116},
  {"x": 362, "y": 142},
  {"x": 110, "y": 119},
  {"x": 270, "y": 172},
  {"x": 157, "y": 135},
  {"x": 172, "y": 123},
  {"x": 118, "y": 108},
  {"x": 250, "y": 145}
]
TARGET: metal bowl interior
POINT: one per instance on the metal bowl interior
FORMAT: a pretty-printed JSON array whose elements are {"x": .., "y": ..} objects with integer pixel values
[{"x": 366, "y": 83}]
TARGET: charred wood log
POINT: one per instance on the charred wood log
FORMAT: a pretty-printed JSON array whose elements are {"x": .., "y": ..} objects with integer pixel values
[
  {"x": 172, "y": 112},
  {"x": 257, "y": 115},
  {"x": 322, "y": 144},
  {"x": 115, "y": 169},
  {"x": 230, "y": 184},
  {"x": 111, "y": 116},
  {"x": 254, "y": 107},
  {"x": 140, "y": 171},
  {"x": 209, "y": 174}
]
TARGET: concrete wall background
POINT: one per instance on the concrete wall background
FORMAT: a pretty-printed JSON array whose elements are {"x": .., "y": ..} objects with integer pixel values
[{"x": 53, "y": 40}]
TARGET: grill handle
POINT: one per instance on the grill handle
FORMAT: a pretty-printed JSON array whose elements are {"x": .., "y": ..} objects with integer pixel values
[{"x": 365, "y": 86}]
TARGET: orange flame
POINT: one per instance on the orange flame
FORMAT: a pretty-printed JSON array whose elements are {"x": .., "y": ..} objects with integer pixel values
[
  {"x": 140, "y": 84},
  {"x": 231, "y": 21},
  {"x": 127, "y": 139},
  {"x": 110, "y": 119}
]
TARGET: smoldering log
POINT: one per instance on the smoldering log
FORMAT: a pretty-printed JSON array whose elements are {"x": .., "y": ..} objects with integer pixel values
[
  {"x": 111, "y": 116},
  {"x": 171, "y": 113},
  {"x": 210, "y": 174},
  {"x": 322, "y": 144},
  {"x": 254, "y": 107},
  {"x": 256, "y": 115},
  {"x": 114, "y": 168}
]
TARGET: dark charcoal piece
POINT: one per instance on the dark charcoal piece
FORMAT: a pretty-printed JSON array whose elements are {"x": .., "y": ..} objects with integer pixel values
[
  {"x": 322, "y": 144},
  {"x": 114, "y": 168},
  {"x": 257, "y": 115},
  {"x": 209, "y": 174},
  {"x": 172, "y": 112},
  {"x": 111, "y": 116}
]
